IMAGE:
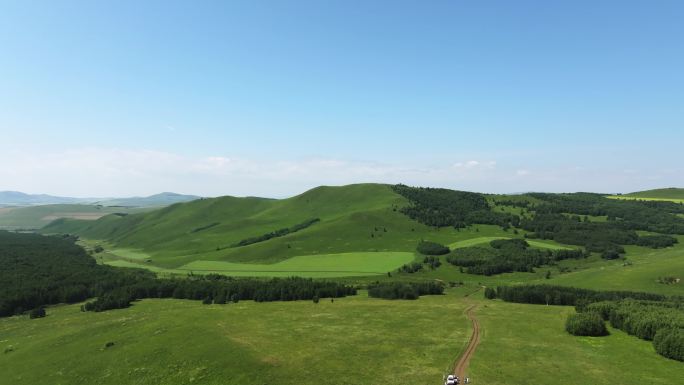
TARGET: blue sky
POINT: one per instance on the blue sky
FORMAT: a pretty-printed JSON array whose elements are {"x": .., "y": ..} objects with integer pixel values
[{"x": 274, "y": 97}]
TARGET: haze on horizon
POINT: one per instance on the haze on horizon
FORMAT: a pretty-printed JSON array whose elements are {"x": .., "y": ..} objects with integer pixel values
[{"x": 273, "y": 98}]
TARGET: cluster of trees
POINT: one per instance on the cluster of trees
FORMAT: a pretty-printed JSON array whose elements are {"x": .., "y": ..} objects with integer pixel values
[
  {"x": 432, "y": 261},
  {"x": 410, "y": 267},
  {"x": 659, "y": 321},
  {"x": 277, "y": 233},
  {"x": 220, "y": 289},
  {"x": 403, "y": 290},
  {"x": 586, "y": 324},
  {"x": 566, "y": 296},
  {"x": 432, "y": 248},
  {"x": 36, "y": 270},
  {"x": 442, "y": 207},
  {"x": 594, "y": 236},
  {"x": 656, "y": 241},
  {"x": 507, "y": 256}
]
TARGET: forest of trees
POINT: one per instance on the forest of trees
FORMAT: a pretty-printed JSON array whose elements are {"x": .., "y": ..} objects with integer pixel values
[
  {"x": 659, "y": 217},
  {"x": 505, "y": 256},
  {"x": 442, "y": 207},
  {"x": 36, "y": 270},
  {"x": 567, "y": 296},
  {"x": 277, "y": 233},
  {"x": 594, "y": 236},
  {"x": 403, "y": 290},
  {"x": 220, "y": 289}
]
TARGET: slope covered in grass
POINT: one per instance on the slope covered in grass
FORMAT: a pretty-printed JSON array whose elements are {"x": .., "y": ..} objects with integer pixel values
[
  {"x": 661, "y": 193},
  {"x": 352, "y": 218}
]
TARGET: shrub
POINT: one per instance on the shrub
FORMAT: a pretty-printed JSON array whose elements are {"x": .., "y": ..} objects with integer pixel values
[
  {"x": 610, "y": 254},
  {"x": 315, "y": 299},
  {"x": 37, "y": 313},
  {"x": 490, "y": 293},
  {"x": 586, "y": 324}
]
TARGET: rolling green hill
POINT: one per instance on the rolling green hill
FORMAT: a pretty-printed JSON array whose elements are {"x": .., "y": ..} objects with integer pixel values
[
  {"x": 362, "y": 218},
  {"x": 673, "y": 194},
  {"x": 662, "y": 193},
  {"x": 352, "y": 219}
]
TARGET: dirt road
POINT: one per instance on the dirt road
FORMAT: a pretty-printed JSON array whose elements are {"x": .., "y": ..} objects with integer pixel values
[{"x": 462, "y": 363}]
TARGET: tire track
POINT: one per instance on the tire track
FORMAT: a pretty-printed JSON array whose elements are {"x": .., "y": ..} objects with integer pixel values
[{"x": 461, "y": 365}]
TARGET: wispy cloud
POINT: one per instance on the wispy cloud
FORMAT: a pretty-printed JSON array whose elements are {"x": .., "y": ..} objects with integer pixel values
[{"x": 115, "y": 172}]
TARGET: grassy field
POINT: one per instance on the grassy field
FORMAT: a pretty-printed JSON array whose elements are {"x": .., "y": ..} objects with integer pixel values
[
  {"x": 354, "y": 340},
  {"x": 36, "y": 217},
  {"x": 527, "y": 344},
  {"x": 642, "y": 198},
  {"x": 313, "y": 266},
  {"x": 323, "y": 265},
  {"x": 642, "y": 274}
]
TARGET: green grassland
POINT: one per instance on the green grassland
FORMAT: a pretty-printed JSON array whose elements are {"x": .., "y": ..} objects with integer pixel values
[
  {"x": 36, "y": 217},
  {"x": 313, "y": 266},
  {"x": 355, "y": 340},
  {"x": 527, "y": 344},
  {"x": 646, "y": 266}
]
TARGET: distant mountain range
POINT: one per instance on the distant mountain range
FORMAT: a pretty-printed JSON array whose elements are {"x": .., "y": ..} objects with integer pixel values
[{"x": 16, "y": 198}]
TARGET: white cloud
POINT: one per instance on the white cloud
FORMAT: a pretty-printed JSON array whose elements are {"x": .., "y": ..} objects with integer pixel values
[{"x": 123, "y": 172}]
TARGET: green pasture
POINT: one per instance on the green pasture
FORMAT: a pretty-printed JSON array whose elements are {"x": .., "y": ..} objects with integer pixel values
[
  {"x": 355, "y": 340},
  {"x": 527, "y": 344},
  {"x": 324, "y": 265}
]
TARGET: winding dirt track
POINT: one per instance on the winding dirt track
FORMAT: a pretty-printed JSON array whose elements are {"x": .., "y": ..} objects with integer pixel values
[{"x": 464, "y": 360}]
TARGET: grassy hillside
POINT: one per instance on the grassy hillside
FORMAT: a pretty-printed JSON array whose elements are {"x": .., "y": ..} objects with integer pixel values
[
  {"x": 673, "y": 194},
  {"x": 662, "y": 193},
  {"x": 36, "y": 217},
  {"x": 355, "y": 218},
  {"x": 162, "y": 199}
]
